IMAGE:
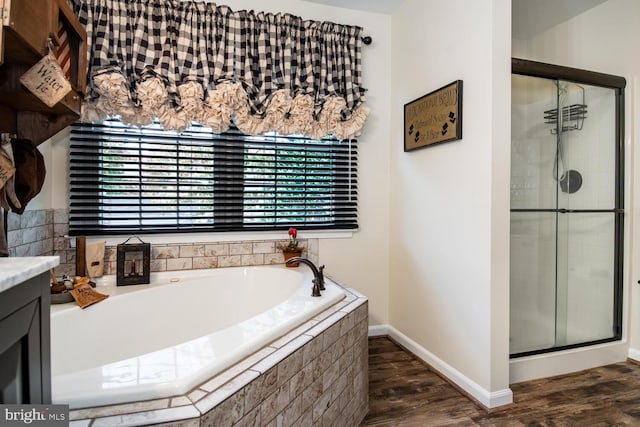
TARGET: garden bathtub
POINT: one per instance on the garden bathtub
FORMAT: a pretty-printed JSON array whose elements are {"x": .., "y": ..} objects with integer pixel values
[{"x": 162, "y": 339}]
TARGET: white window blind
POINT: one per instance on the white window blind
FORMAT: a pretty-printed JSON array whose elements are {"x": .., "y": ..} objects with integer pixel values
[{"x": 125, "y": 179}]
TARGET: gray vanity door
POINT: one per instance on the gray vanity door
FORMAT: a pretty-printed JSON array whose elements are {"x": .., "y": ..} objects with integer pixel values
[{"x": 25, "y": 360}]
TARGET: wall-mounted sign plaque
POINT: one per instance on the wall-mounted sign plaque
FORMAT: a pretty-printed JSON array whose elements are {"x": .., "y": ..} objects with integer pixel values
[{"x": 434, "y": 118}]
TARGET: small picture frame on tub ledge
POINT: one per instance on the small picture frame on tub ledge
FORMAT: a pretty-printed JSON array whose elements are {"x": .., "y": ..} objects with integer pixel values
[
  {"x": 434, "y": 118},
  {"x": 133, "y": 263}
]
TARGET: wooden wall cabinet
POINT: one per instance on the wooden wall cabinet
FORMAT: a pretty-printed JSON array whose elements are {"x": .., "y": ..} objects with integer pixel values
[{"x": 28, "y": 27}]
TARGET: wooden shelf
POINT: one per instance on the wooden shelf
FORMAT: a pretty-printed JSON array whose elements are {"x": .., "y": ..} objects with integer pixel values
[{"x": 27, "y": 30}]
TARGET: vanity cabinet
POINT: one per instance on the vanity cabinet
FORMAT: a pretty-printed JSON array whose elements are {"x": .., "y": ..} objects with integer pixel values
[
  {"x": 25, "y": 376},
  {"x": 25, "y": 344},
  {"x": 29, "y": 29}
]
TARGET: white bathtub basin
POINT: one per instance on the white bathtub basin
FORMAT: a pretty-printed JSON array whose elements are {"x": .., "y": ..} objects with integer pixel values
[{"x": 152, "y": 341}]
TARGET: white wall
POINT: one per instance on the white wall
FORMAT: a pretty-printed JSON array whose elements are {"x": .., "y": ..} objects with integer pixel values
[
  {"x": 433, "y": 246},
  {"x": 361, "y": 261},
  {"x": 607, "y": 39},
  {"x": 449, "y": 287}
]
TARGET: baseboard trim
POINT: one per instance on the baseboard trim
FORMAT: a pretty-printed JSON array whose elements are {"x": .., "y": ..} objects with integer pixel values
[
  {"x": 489, "y": 400},
  {"x": 634, "y": 354},
  {"x": 378, "y": 330}
]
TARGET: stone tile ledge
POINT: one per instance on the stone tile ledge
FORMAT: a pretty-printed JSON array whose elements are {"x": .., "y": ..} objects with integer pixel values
[{"x": 190, "y": 409}]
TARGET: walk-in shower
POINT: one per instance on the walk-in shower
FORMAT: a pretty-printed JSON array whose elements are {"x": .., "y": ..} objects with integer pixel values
[{"x": 566, "y": 208}]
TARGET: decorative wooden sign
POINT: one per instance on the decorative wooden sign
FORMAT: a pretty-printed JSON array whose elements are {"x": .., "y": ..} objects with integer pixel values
[
  {"x": 434, "y": 118},
  {"x": 46, "y": 80}
]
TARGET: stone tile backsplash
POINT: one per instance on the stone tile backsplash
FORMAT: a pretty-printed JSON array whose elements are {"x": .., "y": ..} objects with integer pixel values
[
  {"x": 30, "y": 234},
  {"x": 43, "y": 232}
]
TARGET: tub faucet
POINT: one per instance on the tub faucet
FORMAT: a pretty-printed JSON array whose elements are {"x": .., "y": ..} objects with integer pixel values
[
  {"x": 318, "y": 277},
  {"x": 321, "y": 275}
]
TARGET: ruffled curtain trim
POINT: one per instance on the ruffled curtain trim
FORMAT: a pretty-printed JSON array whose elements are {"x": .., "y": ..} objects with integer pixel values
[
  {"x": 226, "y": 85},
  {"x": 283, "y": 114}
]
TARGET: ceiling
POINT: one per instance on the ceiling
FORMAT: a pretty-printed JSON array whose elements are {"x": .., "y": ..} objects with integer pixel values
[
  {"x": 528, "y": 17},
  {"x": 531, "y": 17},
  {"x": 378, "y": 6}
]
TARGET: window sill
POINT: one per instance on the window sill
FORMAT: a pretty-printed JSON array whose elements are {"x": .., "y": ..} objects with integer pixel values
[{"x": 190, "y": 238}]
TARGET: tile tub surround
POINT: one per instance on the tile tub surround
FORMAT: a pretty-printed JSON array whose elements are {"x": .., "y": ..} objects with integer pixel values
[
  {"x": 316, "y": 375},
  {"x": 179, "y": 256},
  {"x": 193, "y": 256}
]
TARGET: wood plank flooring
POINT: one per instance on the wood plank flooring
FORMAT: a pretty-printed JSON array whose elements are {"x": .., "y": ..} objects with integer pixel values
[{"x": 403, "y": 391}]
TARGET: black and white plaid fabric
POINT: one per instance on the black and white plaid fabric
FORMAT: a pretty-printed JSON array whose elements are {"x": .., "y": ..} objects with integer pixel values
[
  {"x": 283, "y": 51},
  {"x": 225, "y": 55}
]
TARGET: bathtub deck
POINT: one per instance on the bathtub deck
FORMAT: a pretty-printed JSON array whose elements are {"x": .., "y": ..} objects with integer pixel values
[
  {"x": 317, "y": 374},
  {"x": 404, "y": 391}
]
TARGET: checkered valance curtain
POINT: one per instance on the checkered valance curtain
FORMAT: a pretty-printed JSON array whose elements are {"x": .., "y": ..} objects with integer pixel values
[{"x": 183, "y": 61}]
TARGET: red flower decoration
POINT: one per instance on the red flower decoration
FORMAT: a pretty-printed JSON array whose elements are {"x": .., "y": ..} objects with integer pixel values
[
  {"x": 293, "y": 233},
  {"x": 292, "y": 245}
]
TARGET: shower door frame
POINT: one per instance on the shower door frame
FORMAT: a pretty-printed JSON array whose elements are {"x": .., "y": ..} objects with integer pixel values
[{"x": 556, "y": 72}]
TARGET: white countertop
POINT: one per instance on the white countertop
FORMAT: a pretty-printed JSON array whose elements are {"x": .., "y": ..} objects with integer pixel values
[{"x": 15, "y": 270}]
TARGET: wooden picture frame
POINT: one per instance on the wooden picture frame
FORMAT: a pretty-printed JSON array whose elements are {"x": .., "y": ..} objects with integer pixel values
[
  {"x": 133, "y": 263},
  {"x": 434, "y": 118}
]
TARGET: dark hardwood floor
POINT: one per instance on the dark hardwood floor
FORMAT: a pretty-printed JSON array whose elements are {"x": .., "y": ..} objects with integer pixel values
[{"x": 403, "y": 391}]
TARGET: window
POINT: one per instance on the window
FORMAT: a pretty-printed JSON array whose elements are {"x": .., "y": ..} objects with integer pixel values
[{"x": 125, "y": 179}]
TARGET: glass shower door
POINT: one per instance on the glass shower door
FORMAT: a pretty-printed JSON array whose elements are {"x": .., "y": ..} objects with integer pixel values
[
  {"x": 587, "y": 212},
  {"x": 566, "y": 215},
  {"x": 533, "y": 216}
]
